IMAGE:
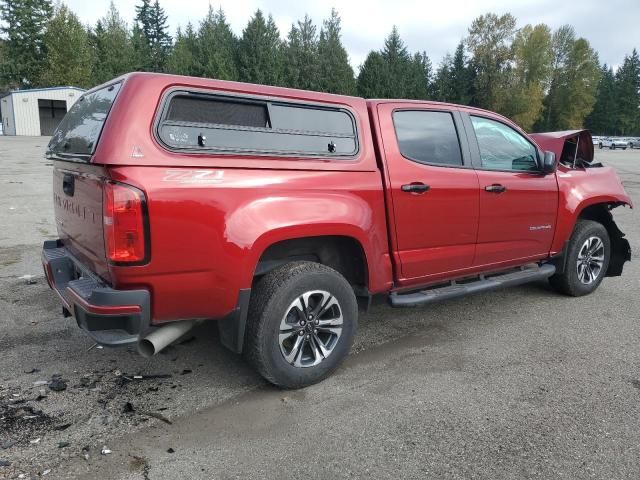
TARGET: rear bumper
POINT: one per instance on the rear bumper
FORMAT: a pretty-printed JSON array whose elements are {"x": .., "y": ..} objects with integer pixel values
[{"x": 111, "y": 317}]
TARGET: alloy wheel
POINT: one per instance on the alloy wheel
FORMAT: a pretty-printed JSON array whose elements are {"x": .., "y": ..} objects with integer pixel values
[
  {"x": 590, "y": 260},
  {"x": 310, "y": 328}
]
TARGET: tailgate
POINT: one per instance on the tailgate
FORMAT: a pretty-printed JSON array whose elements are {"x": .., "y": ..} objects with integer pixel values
[
  {"x": 77, "y": 194},
  {"x": 78, "y": 183}
]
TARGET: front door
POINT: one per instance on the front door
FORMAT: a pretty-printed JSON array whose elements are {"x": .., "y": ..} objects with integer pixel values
[
  {"x": 518, "y": 204},
  {"x": 433, "y": 189}
]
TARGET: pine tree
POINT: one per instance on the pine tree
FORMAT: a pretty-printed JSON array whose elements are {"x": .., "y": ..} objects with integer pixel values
[
  {"x": 374, "y": 79},
  {"x": 489, "y": 43},
  {"x": 627, "y": 91},
  {"x": 443, "y": 82},
  {"x": 335, "y": 72},
  {"x": 69, "y": 56},
  {"x": 150, "y": 37},
  {"x": 23, "y": 22},
  {"x": 301, "y": 67},
  {"x": 394, "y": 73},
  {"x": 259, "y": 52},
  {"x": 183, "y": 59},
  {"x": 114, "y": 53},
  {"x": 217, "y": 46},
  {"x": 602, "y": 119},
  {"x": 461, "y": 85}
]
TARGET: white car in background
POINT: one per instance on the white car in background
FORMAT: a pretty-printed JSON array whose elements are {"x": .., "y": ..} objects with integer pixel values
[{"x": 613, "y": 143}]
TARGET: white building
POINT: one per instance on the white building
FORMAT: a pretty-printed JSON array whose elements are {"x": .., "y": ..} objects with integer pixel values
[{"x": 38, "y": 111}]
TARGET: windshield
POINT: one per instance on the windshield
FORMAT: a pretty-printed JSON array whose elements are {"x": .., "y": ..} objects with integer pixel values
[{"x": 78, "y": 132}]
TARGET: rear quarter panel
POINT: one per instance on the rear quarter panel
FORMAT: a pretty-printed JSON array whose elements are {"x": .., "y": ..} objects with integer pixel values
[{"x": 212, "y": 216}]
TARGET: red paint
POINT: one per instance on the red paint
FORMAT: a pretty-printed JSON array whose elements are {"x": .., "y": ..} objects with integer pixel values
[{"x": 206, "y": 236}]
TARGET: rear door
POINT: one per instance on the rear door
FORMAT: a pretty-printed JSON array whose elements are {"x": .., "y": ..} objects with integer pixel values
[
  {"x": 433, "y": 190},
  {"x": 518, "y": 204},
  {"x": 77, "y": 184}
]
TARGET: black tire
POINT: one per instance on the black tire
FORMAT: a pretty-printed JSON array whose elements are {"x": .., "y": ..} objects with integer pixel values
[
  {"x": 272, "y": 300},
  {"x": 612, "y": 147},
  {"x": 600, "y": 146},
  {"x": 569, "y": 282}
]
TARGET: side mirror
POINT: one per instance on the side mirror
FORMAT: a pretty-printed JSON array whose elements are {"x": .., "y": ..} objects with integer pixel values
[{"x": 548, "y": 162}]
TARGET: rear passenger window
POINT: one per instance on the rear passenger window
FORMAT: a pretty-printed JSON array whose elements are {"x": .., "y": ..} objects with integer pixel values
[
  {"x": 428, "y": 137},
  {"x": 194, "y": 121}
]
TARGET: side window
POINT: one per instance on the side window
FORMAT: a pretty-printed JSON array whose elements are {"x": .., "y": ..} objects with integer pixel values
[
  {"x": 229, "y": 124},
  {"x": 428, "y": 137},
  {"x": 503, "y": 148}
]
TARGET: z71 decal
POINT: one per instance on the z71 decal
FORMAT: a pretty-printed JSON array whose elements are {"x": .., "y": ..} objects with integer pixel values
[{"x": 201, "y": 177}]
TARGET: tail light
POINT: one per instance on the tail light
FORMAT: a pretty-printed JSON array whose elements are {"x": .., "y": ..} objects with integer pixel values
[{"x": 124, "y": 223}]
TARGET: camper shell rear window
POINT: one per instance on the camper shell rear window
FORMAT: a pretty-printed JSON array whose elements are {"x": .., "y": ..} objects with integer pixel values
[
  {"x": 78, "y": 133},
  {"x": 202, "y": 122}
]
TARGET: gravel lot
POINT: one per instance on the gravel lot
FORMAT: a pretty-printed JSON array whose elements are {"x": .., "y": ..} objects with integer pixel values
[{"x": 521, "y": 383}]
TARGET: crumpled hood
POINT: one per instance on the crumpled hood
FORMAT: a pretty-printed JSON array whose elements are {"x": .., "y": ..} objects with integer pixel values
[{"x": 563, "y": 144}]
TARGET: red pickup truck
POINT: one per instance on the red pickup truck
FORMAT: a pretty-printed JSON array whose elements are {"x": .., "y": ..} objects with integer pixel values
[{"x": 276, "y": 211}]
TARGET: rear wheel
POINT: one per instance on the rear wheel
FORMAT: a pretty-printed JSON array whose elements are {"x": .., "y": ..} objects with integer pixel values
[
  {"x": 587, "y": 260},
  {"x": 302, "y": 320}
]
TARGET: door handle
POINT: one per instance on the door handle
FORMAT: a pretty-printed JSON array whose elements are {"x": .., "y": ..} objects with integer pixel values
[
  {"x": 68, "y": 184},
  {"x": 495, "y": 188},
  {"x": 415, "y": 187}
]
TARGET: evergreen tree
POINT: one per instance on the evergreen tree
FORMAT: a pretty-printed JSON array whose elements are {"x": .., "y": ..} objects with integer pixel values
[
  {"x": 443, "y": 82},
  {"x": 394, "y": 73},
  {"x": 374, "y": 79},
  {"x": 335, "y": 72},
  {"x": 23, "y": 22},
  {"x": 523, "y": 99},
  {"x": 259, "y": 52},
  {"x": 150, "y": 37},
  {"x": 69, "y": 56},
  {"x": 216, "y": 45},
  {"x": 627, "y": 90},
  {"x": 301, "y": 67},
  {"x": 461, "y": 84},
  {"x": 114, "y": 53},
  {"x": 489, "y": 43},
  {"x": 601, "y": 120},
  {"x": 183, "y": 59}
]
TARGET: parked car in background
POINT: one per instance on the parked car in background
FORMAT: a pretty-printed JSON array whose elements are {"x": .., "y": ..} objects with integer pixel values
[
  {"x": 276, "y": 212},
  {"x": 613, "y": 143},
  {"x": 634, "y": 143}
]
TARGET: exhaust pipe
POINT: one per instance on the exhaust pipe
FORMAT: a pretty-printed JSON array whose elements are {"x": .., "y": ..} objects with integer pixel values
[{"x": 163, "y": 337}]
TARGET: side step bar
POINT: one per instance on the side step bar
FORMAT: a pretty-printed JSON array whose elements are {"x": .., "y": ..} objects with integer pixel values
[{"x": 482, "y": 284}]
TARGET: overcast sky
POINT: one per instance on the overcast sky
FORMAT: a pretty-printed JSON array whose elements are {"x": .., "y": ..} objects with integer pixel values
[{"x": 612, "y": 27}]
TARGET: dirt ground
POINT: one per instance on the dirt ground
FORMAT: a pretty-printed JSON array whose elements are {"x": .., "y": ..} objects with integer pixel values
[{"x": 520, "y": 383}]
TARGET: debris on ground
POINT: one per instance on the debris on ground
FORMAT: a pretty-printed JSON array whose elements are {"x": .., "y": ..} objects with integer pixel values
[
  {"x": 186, "y": 371},
  {"x": 64, "y": 444},
  {"x": 105, "y": 450},
  {"x": 157, "y": 415},
  {"x": 5, "y": 463},
  {"x": 8, "y": 444},
  {"x": 128, "y": 408},
  {"x": 28, "y": 279},
  {"x": 57, "y": 384},
  {"x": 170, "y": 450},
  {"x": 35, "y": 441},
  {"x": 46, "y": 472},
  {"x": 33, "y": 370}
]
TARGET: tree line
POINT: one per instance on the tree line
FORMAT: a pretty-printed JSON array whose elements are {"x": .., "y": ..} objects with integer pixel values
[{"x": 541, "y": 78}]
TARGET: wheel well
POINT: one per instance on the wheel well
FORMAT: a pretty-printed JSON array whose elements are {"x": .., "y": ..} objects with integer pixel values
[
  {"x": 620, "y": 248},
  {"x": 343, "y": 254}
]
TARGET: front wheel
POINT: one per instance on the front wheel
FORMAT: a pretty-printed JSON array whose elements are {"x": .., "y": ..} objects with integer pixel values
[
  {"x": 587, "y": 260},
  {"x": 302, "y": 320}
]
